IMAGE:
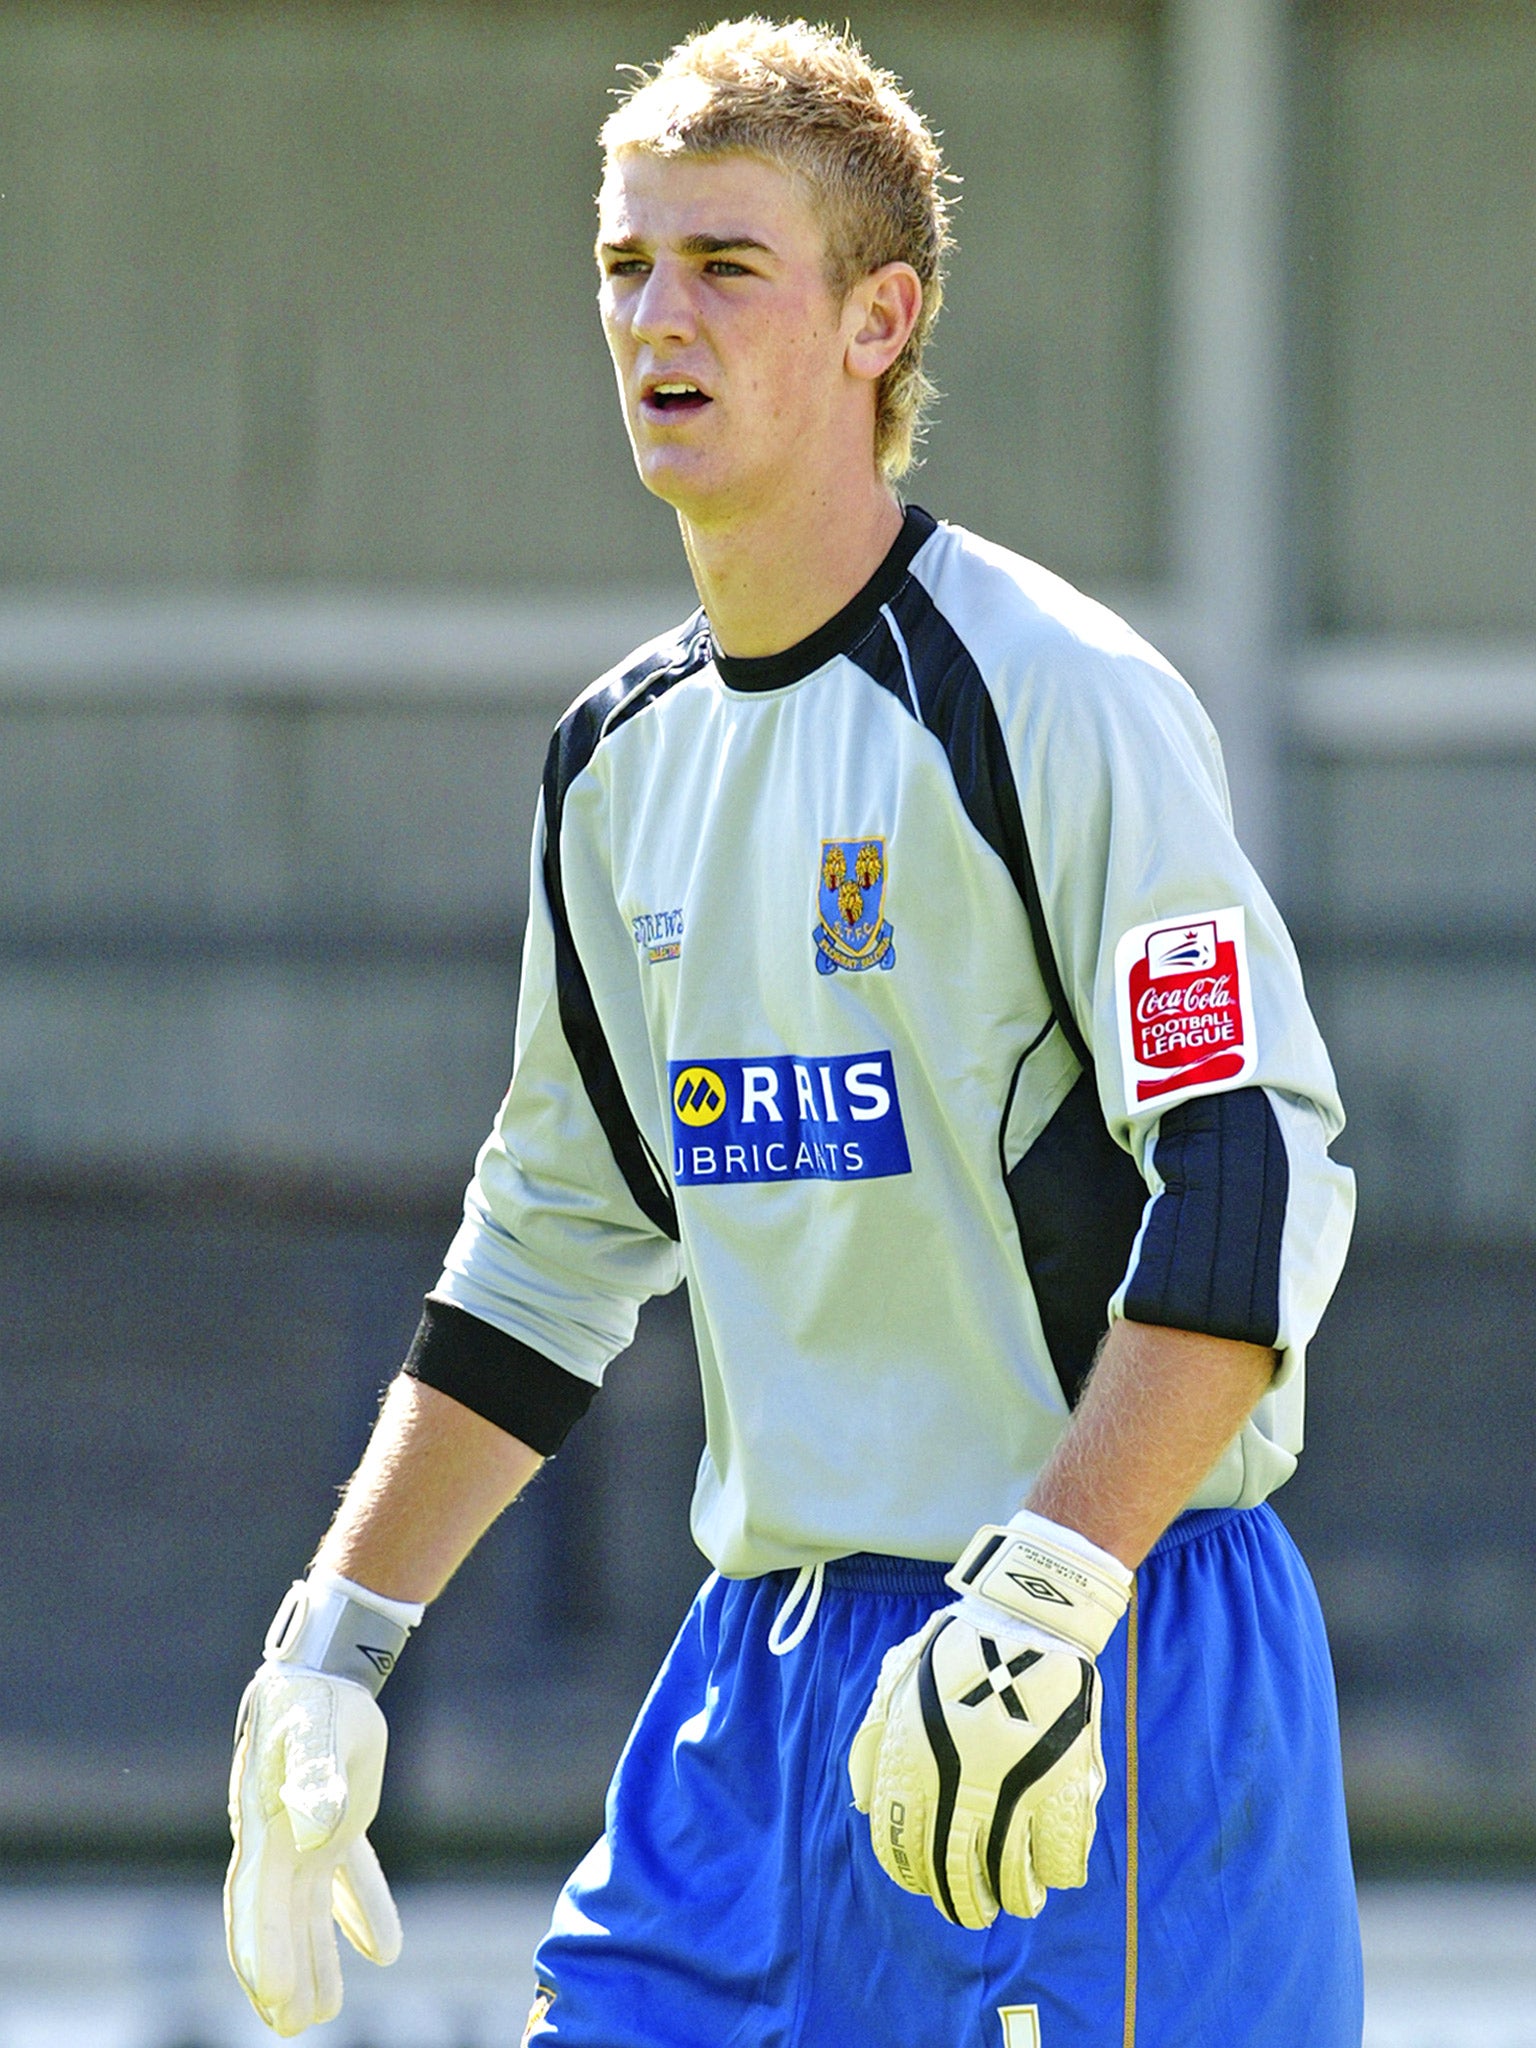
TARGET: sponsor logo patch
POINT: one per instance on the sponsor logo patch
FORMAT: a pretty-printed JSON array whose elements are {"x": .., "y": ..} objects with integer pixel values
[
  {"x": 786, "y": 1118},
  {"x": 1185, "y": 1007},
  {"x": 659, "y": 934},
  {"x": 850, "y": 897}
]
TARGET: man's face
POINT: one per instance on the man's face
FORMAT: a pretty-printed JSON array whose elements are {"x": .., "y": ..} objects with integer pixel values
[{"x": 729, "y": 347}]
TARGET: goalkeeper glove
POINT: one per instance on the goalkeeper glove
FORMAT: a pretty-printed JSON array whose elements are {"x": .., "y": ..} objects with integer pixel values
[
  {"x": 979, "y": 1761},
  {"x": 309, "y": 1761}
]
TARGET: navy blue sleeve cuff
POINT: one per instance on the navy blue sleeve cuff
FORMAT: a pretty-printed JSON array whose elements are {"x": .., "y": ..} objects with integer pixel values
[
  {"x": 1210, "y": 1252},
  {"x": 506, "y": 1381}
]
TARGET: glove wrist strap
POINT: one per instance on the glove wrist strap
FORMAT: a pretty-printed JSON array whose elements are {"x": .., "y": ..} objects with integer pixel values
[
  {"x": 1048, "y": 1583},
  {"x": 1028, "y": 1523},
  {"x": 329, "y": 1625}
]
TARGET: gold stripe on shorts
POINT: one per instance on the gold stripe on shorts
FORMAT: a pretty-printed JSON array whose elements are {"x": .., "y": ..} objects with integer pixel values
[{"x": 1132, "y": 1794}]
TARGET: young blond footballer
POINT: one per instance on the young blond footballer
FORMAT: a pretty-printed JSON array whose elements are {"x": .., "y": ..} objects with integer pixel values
[{"x": 894, "y": 977}]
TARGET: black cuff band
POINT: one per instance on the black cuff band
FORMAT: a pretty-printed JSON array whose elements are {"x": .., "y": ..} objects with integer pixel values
[{"x": 506, "y": 1381}]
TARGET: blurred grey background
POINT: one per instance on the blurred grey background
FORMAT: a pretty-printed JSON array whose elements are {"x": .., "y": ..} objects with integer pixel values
[{"x": 315, "y": 509}]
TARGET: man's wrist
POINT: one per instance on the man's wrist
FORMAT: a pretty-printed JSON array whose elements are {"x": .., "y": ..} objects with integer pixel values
[
  {"x": 1044, "y": 1530},
  {"x": 1025, "y": 1570},
  {"x": 339, "y": 1629}
]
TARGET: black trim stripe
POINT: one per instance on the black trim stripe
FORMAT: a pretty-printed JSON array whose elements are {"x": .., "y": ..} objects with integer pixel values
[
  {"x": 1078, "y": 1206},
  {"x": 503, "y": 1380},
  {"x": 957, "y": 708},
  {"x": 947, "y": 1762},
  {"x": 1032, "y": 1767},
  {"x": 575, "y": 741}
]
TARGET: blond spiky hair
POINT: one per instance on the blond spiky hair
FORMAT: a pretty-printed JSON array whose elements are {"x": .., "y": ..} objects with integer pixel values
[{"x": 810, "y": 101}]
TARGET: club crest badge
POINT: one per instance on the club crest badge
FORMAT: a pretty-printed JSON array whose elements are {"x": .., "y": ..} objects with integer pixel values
[{"x": 852, "y": 932}]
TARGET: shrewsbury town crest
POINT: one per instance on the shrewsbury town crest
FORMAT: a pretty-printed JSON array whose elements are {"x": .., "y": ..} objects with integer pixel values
[{"x": 852, "y": 934}]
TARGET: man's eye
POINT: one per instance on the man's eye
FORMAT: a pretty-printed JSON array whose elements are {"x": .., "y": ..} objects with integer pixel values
[
  {"x": 626, "y": 266},
  {"x": 721, "y": 266}
]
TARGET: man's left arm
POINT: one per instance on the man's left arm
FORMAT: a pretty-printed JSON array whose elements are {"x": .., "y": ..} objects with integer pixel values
[
  {"x": 1158, "y": 1411},
  {"x": 980, "y": 1761}
]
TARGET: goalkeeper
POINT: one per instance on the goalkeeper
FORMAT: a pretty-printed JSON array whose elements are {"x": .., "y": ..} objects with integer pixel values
[{"x": 893, "y": 976}]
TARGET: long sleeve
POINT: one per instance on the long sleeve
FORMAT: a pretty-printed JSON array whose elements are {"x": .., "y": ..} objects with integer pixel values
[{"x": 1208, "y": 1066}]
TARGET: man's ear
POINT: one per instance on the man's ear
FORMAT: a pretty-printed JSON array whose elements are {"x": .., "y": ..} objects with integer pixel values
[{"x": 882, "y": 310}]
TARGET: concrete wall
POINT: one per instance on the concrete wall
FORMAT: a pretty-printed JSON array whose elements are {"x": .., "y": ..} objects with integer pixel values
[
  {"x": 307, "y": 292},
  {"x": 274, "y": 935},
  {"x": 1416, "y": 253},
  {"x": 1418, "y": 916}
]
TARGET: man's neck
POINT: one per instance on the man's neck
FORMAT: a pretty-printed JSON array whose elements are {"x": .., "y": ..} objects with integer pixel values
[{"x": 768, "y": 581}]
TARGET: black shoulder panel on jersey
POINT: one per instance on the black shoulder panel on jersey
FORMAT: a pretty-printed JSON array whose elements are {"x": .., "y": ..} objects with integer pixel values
[
  {"x": 1078, "y": 1201},
  {"x": 575, "y": 741},
  {"x": 509, "y": 1383},
  {"x": 930, "y": 660},
  {"x": 1210, "y": 1259}
]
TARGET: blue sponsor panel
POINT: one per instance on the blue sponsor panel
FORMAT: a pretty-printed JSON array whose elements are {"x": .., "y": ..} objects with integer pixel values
[{"x": 784, "y": 1117}]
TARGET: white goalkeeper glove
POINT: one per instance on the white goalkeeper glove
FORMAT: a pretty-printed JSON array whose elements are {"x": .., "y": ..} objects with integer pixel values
[
  {"x": 979, "y": 1761},
  {"x": 309, "y": 1762}
]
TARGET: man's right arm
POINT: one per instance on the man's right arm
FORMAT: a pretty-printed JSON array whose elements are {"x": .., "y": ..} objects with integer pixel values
[
  {"x": 310, "y": 1740},
  {"x": 434, "y": 1477},
  {"x": 541, "y": 1288}
]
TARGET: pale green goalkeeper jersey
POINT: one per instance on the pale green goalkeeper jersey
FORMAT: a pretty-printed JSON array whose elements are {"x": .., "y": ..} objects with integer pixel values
[{"x": 909, "y": 994}]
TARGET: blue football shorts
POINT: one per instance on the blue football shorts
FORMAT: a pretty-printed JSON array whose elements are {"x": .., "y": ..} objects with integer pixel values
[{"x": 735, "y": 1901}]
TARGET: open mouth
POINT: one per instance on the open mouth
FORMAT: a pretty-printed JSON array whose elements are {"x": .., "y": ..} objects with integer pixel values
[{"x": 675, "y": 395}]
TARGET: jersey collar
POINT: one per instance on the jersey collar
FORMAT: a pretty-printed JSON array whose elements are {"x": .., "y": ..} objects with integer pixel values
[{"x": 842, "y": 631}]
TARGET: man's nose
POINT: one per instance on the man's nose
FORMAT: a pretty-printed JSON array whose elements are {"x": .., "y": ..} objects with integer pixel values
[{"x": 664, "y": 311}]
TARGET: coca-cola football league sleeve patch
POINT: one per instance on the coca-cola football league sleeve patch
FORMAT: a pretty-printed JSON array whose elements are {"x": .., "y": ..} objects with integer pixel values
[{"x": 1184, "y": 1003}]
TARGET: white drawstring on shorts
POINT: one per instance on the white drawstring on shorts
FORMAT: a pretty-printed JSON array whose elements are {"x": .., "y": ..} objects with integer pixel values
[{"x": 804, "y": 1594}]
